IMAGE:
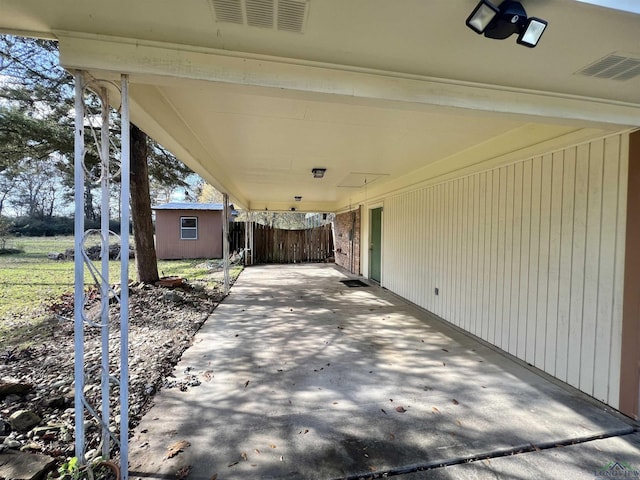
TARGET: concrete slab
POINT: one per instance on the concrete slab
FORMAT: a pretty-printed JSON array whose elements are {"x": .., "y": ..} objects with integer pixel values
[
  {"x": 617, "y": 457},
  {"x": 303, "y": 377}
]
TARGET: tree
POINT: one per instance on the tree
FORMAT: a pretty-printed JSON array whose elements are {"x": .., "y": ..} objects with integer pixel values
[
  {"x": 146, "y": 260},
  {"x": 208, "y": 194},
  {"x": 36, "y": 130}
]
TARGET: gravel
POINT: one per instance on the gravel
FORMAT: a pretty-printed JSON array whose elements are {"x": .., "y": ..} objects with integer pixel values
[{"x": 39, "y": 379}]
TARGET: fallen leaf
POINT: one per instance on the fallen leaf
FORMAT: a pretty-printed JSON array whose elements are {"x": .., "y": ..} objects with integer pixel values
[
  {"x": 272, "y": 446},
  {"x": 257, "y": 451},
  {"x": 459, "y": 423},
  {"x": 183, "y": 472},
  {"x": 455, "y": 402},
  {"x": 233, "y": 464},
  {"x": 176, "y": 448},
  {"x": 244, "y": 456},
  {"x": 383, "y": 411},
  {"x": 400, "y": 409},
  {"x": 246, "y": 384},
  {"x": 435, "y": 409},
  {"x": 445, "y": 350},
  {"x": 392, "y": 436}
]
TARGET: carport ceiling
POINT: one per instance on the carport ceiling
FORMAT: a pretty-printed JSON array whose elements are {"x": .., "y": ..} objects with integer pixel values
[{"x": 380, "y": 93}]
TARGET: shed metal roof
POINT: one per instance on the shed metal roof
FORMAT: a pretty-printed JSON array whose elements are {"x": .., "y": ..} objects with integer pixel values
[{"x": 188, "y": 206}]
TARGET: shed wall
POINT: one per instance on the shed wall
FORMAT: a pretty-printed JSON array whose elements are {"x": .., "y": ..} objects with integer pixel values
[
  {"x": 528, "y": 256},
  {"x": 170, "y": 246}
]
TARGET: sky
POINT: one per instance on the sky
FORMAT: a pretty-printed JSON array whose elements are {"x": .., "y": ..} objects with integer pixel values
[{"x": 624, "y": 5}]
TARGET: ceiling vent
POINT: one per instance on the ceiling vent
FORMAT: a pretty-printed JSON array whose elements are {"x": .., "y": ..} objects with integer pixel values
[
  {"x": 284, "y": 15},
  {"x": 615, "y": 67}
]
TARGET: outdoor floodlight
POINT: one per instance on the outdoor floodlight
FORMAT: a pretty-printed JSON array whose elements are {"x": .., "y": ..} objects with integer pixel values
[
  {"x": 482, "y": 16},
  {"x": 318, "y": 172},
  {"x": 503, "y": 21},
  {"x": 532, "y": 32}
]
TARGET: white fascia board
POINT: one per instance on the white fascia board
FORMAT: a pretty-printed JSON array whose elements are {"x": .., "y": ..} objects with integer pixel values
[{"x": 148, "y": 59}]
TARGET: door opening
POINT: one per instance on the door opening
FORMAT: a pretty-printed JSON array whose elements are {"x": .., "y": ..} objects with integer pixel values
[{"x": 375, "y": 247}]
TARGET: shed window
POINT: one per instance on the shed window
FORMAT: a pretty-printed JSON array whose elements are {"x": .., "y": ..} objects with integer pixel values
[{"x": 188, "y": 228}]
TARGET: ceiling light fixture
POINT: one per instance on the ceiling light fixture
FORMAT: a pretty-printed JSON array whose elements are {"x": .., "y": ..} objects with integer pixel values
[
  {"x": 297, "y": 198},
  {"x": 318, "y": 172},
  {"x": 503, "y": 21}
]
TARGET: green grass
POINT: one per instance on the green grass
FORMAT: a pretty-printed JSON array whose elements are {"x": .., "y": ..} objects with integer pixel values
[{"x": 30, "y": 280}]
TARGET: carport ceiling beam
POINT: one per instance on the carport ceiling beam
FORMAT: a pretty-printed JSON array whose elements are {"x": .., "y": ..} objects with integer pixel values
[{"x": 146, "y": 60}]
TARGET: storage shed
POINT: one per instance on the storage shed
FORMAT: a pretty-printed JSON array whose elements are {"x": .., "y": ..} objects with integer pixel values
[{"x": 188, "y": 230}]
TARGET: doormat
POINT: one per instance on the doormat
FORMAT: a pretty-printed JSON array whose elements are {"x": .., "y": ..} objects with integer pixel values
[{"x": 354, "y": 283}]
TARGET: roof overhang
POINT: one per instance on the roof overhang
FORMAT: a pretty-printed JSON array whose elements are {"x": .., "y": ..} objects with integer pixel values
[{"x": 254, "y": 110}]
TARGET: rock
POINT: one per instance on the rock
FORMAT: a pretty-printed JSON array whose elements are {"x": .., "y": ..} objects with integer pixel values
[
  {"x": 24, "y": 420},
  {"x": 173, "y": 296},
  {"x": 11, "y": 388},
  {"x": 11, "y": 443},
  {"x": 56, "y": 402},
  {"x": 24, "y": 466}
]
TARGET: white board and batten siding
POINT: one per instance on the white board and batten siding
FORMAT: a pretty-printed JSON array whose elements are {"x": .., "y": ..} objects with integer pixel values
[{"x": 528, "y": 256}]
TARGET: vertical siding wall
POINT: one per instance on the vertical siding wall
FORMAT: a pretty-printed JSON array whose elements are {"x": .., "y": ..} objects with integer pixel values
[{"x": 528, "y": 256}]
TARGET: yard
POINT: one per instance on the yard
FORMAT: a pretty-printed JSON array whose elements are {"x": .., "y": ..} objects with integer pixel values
[
  {"x": 37, "y": 344},
  {"x": 30, "y": 281}
]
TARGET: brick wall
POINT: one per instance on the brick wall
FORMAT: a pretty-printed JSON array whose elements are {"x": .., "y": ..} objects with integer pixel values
[{"x": 347, "y": 241}]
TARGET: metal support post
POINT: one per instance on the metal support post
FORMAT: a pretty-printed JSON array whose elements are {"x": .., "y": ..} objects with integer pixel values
[
  {"x": 251, "y": 245},
  {"x": 225, "y": 241},
  {"x": 78, "y": 296},
  {"x": 125, "y": 168},
  {"x": 84, "y": 410},
  {"x": 104, "y": 286}
]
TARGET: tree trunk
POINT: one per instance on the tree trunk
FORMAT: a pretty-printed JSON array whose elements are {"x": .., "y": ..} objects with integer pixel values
[{"x": 146, "y": 260}]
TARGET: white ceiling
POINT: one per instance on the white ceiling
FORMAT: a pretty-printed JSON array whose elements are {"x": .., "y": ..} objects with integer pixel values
[{"x": 381, "y": 93}]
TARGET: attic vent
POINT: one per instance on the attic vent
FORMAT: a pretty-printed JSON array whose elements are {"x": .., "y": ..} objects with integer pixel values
[
  {"x": 259, "y": 13},
  {"x": 291, "y": 15},
  {"x": 284, "y": 15},
  {"x": 614, "y": 66},
  {"x": 228, "y": 11}
]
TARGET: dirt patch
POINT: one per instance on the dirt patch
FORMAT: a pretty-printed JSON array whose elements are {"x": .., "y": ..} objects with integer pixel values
[{"x": 162, "y": 323}]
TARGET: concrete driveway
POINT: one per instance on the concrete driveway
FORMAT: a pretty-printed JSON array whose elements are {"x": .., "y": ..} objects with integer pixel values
[{"x": 303, "y": 377}]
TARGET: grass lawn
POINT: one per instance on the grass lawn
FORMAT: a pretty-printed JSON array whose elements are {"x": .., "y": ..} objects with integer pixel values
[{"x": 30, "y": 279}]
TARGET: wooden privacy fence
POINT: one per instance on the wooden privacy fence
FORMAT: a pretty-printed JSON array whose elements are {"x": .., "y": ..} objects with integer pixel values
[{"x": 273, "y": 245}]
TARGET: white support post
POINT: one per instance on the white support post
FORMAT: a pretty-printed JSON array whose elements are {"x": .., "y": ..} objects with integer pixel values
[
  {"x": 225, "y": 241},
  {"x": 83, "y": 403},
  {"x": 246, "y": 239},
  {"x": 125, "y": 168},
  {"x": 251, "y": 245},
  {"x": 104, "y": 284},
  {"x": 78, "y": 297}
]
